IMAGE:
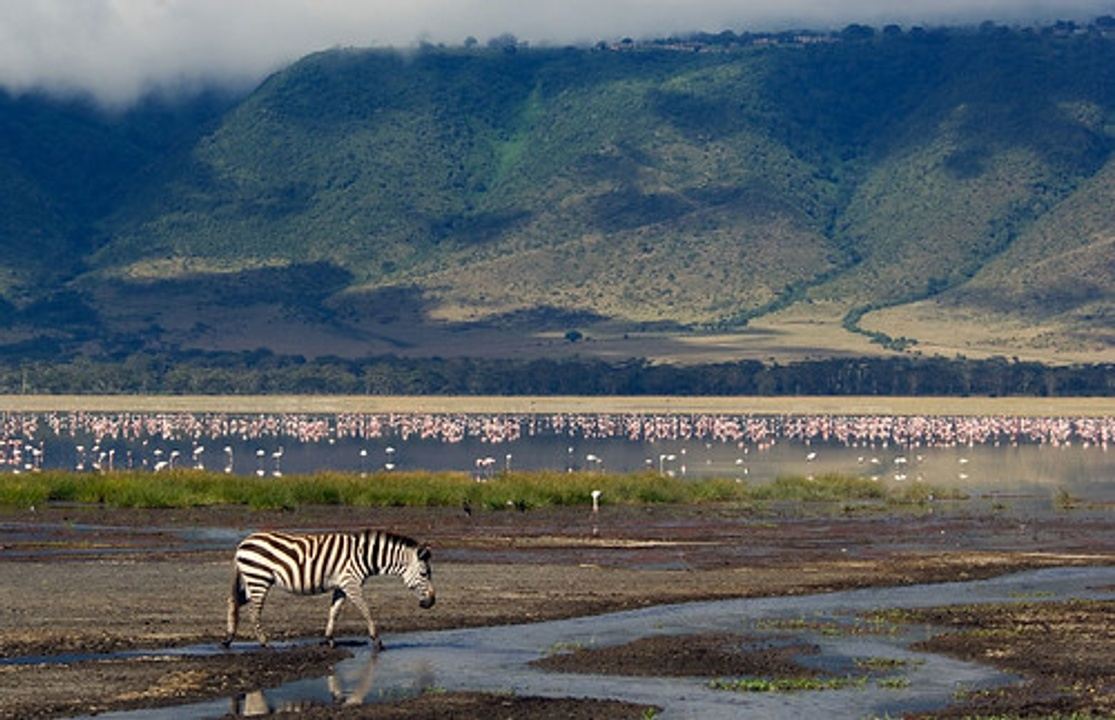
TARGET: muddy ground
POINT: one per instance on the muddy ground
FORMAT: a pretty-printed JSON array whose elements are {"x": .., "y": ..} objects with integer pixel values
[
  {"x": 80, "y": 580},
  {"x": 705, "y": 655},
  {"x": 482, "y": 706},
  {"x": 1065, "y": 650}
]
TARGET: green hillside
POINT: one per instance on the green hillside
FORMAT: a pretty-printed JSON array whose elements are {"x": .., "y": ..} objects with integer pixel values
[
  {"x": 405, "y": 170},
  {"x": 700, "y": 184}
]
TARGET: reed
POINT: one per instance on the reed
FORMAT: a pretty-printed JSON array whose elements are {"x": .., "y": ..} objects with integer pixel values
[{"x": 522, "y": 489}]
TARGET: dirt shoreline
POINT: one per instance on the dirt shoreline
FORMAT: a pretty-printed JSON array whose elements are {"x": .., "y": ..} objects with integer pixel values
[
  {"x": 81, "y": 580},
  {"x": 757, "y": 404}
]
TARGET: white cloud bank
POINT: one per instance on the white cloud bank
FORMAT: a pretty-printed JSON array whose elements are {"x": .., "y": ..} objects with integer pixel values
[{"x": 116, "y": 50}]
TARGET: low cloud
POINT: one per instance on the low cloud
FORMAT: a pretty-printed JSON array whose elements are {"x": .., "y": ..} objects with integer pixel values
[{"x": 117, "y": 50}]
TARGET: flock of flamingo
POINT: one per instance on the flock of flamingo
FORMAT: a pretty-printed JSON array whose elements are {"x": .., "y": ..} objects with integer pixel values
[{"x": 108, "y": 441}]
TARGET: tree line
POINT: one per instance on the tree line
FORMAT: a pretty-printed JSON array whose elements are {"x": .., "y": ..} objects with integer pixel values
[{"x": 261, "y": 372}]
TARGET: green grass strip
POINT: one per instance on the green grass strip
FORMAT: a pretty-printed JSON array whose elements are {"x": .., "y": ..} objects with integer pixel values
[{"x": 529, "y": 489}]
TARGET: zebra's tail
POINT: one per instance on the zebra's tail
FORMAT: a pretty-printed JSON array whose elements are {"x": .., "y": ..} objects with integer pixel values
[{"x": 237, "y": 596}]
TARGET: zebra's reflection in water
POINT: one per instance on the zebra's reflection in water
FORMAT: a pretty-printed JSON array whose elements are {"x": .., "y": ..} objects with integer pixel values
[{"x": 348, "y": 688}]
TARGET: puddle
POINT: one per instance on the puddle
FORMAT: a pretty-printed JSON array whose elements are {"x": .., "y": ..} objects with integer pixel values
[{"x": 495, "y": 659}]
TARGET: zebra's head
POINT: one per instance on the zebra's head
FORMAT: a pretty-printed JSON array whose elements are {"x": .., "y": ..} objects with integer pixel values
[{"x": 418, "y": 577}]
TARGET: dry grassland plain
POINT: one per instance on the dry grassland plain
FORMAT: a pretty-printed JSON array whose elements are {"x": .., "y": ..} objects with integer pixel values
[
  {"x": 946, "y": 331},
  {"x": 792, "y": 405}
]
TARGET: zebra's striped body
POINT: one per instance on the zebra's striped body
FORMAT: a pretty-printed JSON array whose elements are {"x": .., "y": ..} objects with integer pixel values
[{"x": 318, "y": 563}]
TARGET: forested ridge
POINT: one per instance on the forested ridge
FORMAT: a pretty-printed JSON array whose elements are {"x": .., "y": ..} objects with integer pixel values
[{"x": 264, "y": 373}]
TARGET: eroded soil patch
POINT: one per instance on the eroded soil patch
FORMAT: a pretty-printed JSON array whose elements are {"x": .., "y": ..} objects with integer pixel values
[{"x": 705, "y": 655}]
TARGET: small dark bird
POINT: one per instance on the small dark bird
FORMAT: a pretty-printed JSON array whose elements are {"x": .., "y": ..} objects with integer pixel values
[
  {"x": 467, "y": 507},
  {"x": 521, "y": 505}
]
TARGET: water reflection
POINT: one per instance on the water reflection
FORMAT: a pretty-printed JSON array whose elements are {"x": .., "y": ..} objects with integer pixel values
[{"x": 352, "y": 682}]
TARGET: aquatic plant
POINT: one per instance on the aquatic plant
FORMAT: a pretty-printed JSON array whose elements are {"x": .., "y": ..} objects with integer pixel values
[
  {"x": 884, "y": 663},
  {"x": 787, "y": 684}
]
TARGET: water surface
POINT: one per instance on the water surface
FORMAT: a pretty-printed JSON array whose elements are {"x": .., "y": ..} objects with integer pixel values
[{"x": 996, "y": 455}]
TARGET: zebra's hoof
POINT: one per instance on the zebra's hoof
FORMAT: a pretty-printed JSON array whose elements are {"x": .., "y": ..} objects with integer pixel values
[
  {"x": 226, "y": 643},
  {"x": 329, "y": 642},
  {"x": 377, "y": 645}
]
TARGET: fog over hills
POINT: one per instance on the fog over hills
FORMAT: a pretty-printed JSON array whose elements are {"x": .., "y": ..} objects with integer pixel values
[
  {"x": 118, "y": 50},
  {"x": 937, "y": 191}
]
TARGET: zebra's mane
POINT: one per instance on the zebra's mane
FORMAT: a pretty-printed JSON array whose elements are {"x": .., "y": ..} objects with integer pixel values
[{"x": 394, "y": 537}]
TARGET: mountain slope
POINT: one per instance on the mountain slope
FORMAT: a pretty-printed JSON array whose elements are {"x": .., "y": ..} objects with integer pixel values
[
  {"x": 1052, "y": 287},
  {"x": 848, "y": 178},
  {"x": 401, "y": 169},
  {"x": 66, "y": 166}
]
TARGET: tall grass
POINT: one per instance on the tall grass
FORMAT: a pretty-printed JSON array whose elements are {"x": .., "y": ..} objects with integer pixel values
[
  {"x": 190, "y": 488},
  {"x": 824, "y": 488}
]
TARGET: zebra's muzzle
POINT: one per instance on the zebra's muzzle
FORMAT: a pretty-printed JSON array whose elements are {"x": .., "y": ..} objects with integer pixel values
[{"x": 427, "y": 601}]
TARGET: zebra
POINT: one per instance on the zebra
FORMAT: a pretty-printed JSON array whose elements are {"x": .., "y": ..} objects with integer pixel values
[{"x": 310, "y": 564}]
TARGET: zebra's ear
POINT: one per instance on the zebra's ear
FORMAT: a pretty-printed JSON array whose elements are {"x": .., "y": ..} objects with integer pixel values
[{"x": 424, "y": 552}]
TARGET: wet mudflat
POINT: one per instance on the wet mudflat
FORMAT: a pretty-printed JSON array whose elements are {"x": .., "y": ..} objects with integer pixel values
[
  {"x": 703, "y": 655},
  {"x": 482, "y": 706},
  {"x": 46, "y": 689},
  {"x": 114, "y": 579},
  {"x": 1064, "y": 650}
]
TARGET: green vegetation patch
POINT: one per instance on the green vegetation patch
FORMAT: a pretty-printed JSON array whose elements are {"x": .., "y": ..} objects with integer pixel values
[
  {"x": 893, "y": 683},
  {"x": 521, "y": 490},
  {"x": 830, "y": 628},
  {"x": 759, "y": 684},
  {"x": 884, "y": 663},
  {"x": 828, "y": 487}
]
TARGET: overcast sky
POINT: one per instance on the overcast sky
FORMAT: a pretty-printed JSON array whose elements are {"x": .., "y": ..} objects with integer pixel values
[{"x": 120, "y": 49}]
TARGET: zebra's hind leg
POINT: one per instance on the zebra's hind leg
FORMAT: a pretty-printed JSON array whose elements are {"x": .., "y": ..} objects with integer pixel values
[
  {"x": 256, "y": 598},
  {"x": 357, "y": 596},
  {"x": 334, "y": 611},
  {"x": 233, "y": 620},
  {"x": 236, "y": 598}
]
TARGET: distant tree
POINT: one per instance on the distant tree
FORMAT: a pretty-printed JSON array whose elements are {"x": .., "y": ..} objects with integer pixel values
[
  {"x": 471, "y": 42},
  {"x": 891, "y": 31},
  {"x": 856, "y": 31},
  {"x": 505, "y": 42},
  {"x": 573, "y": 336},
  {"x": 937, "y": 285}
]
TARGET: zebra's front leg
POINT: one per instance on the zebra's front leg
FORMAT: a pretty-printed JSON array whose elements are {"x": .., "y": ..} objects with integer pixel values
[
  {"x": 334, "y": 611},
  {"x": 357, "y": 596}
]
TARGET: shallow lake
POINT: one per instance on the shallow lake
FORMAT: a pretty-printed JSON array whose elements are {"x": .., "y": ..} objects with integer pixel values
[{"x": 992, "y": 454}]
